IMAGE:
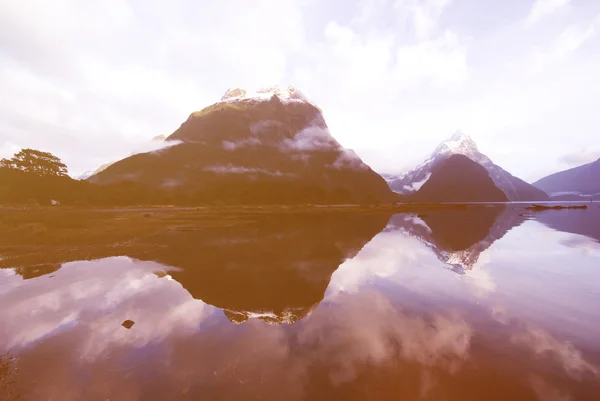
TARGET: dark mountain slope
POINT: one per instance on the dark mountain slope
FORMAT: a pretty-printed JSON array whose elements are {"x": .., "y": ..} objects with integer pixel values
[{"x": 459, "y": 179}]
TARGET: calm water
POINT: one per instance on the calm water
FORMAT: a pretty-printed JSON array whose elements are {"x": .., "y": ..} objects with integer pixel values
[{"x": 486, "y": 304}]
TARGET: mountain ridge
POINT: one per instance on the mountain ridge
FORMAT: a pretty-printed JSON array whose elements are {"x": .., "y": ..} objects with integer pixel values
[
  {"x": 272, "y": 148},
  {"x": 580, "y": 180},
  {"x": 459, "y": 179},
  {"x": 460, "y": 143}
]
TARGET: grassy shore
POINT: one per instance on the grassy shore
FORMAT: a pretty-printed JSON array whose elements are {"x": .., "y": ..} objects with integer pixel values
[{"x": 39, "y": 236}]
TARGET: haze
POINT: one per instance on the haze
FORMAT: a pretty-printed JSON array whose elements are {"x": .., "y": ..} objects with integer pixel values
[{"x": 92, "y": 82}]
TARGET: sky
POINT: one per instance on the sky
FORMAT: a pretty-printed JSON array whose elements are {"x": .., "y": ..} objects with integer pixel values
[{"x": 94, "y": 81}]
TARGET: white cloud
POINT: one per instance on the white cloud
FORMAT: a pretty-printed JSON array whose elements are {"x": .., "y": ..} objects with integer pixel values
[
  {"x": 231, "y": 169},
  {"x": 439, "y": 63},
  {"x": 394, "y": 77},
  {"x": 310, "y": 138},
  {"x": 98, "y": 296},
  {"x": 583, "y": 156},
  {"x": 233, "y": 145},
  {"x": 543, "y": 343},
  {"x": 543, "y": 8},
  {"x": 546, "y": 391},
  {"x": 349, "y": 159},
  {"x": 94, "y": 80},
  {"x": 567, "y": 43},
  {"x": 425, "y": 14}
]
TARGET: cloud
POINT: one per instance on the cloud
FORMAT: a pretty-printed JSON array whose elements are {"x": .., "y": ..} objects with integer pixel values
[
  {"x": 231, "y": 169},
  {"x": 349, "y": 159},
  {"x": 85, "y": 82},
  {"x": 567, "y": 43},
  {"x": 546, "y": 391},
  {"x": 586, "y": 245},
  {"x": 98, "y": 296},
  {"x": 353, "y": 330},
  {"x": 544, "y": 8},
  {"x": 233, "y": 145},
  {"x": 581, "y": 157},
  {"x": 480, "y": 278},
  {"x": 311, "y": 138},
  {"x": 424, "y": 13},
  {"x": 264, "y": 125},
  {"x": 394, "y": 77},
  {"x": 544, "y": 344}
]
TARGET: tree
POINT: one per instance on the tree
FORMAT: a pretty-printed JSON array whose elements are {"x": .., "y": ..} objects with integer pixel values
[{"x": 35, "y": 161}]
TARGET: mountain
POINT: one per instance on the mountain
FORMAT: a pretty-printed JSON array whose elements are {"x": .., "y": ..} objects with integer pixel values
[
  {"x": 459, "y": 179},
  {"x": 458, "y": 238},
  {"x": 269, "y": 146},
  {"x": 582, "y": 180},
  {"x": 459, "y": 143}
]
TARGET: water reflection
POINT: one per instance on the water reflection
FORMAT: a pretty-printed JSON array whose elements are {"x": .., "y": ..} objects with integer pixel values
[
  {"x": 272, "y": 267},
  {"x": 275, "y": 268},
  {"x": 458, "y": 238},
  {"x": 378, "y": 312},
  {"x": 583, "y": 222}
]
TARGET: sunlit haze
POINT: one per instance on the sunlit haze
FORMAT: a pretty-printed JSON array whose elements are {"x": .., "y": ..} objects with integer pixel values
[{"x": 94, "y": 81}]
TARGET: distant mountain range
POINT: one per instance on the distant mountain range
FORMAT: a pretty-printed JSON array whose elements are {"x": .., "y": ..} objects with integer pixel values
[
  {"x": 582, "y": 180},
  {"x": 273, "y": 146},
  {"x": 461, "y": 144},
  {"x": 269, "y": 146}
]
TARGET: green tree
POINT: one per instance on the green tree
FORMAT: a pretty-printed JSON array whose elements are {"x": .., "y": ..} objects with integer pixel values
[{"x": 35, "y": 161}]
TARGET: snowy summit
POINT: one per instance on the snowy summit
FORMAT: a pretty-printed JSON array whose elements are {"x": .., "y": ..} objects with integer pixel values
[
  {"x": 458, "y": 143},
  {"x": 284, "y": 93}
]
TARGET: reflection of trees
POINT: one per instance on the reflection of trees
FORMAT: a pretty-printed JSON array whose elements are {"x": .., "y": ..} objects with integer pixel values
[
  {"x": 8, "y": 374},
  {"x": 33, "y": 271}
]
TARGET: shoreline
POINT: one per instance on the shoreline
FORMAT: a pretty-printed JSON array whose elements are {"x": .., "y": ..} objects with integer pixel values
[{"x": 402, "y": 207}]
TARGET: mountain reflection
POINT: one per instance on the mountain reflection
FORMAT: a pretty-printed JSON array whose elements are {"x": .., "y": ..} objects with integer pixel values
[
  {"x": 459, "y": 237},
  {"x": 273, "y": 267},
  {"x": 69, "y": 337},
  {"x": 575, "y": 221}
]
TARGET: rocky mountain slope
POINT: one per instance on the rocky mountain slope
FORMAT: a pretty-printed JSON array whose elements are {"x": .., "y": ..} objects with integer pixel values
[
  {"x": 270, "y": 146},
  {"x": 459, "y": 143},
  {"x": 459, "y": 179},
  {"x": 582, "y": 180}
]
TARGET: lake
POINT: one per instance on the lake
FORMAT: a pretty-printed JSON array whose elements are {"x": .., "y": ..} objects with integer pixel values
[{"x": 487, "y": 303}]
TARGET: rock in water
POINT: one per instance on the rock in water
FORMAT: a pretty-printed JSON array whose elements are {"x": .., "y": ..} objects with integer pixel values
[
  {"x": 459, "y": 179},
  {"x": 128, "y": 324},
  {"x": 266, "y": 147}
]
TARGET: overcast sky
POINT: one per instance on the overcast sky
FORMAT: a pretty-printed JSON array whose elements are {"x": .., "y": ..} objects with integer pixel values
[{"x": 93, "y": 80}]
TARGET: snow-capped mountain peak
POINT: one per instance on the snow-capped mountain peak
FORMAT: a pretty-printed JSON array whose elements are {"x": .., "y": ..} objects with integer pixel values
[
  {"x": 458, "y": 143},
  {"x": 284, "y": 93}
]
